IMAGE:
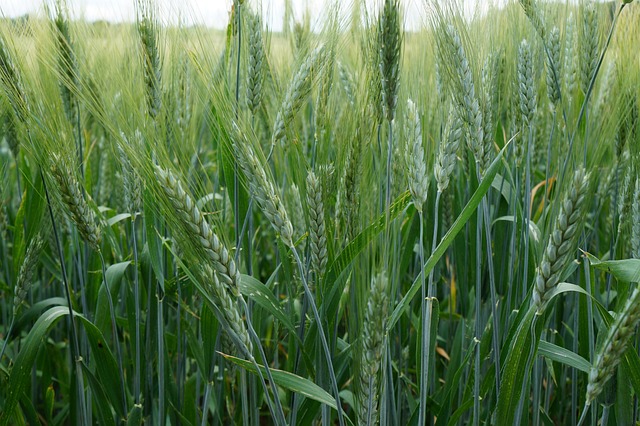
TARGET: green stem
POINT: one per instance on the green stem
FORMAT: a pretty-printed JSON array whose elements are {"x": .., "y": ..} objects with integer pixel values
[
  {"x": 278, "y": 412},
  {"x": 114, "y": 330},
  {"x": 426, "y": 318},
  {"x": 478, "y": 315},
  {"x": 6, "y": 338},
  {"x": 495, "y": 336},
  {"x": 138, "y": 317},
  {"x": 527, "y": 208},
  {"x": 161, "y": 381},
  {"x": 323, "y": 338},
  {"x": 75, "y": 348},
  {"x": 583, "y": 416}
]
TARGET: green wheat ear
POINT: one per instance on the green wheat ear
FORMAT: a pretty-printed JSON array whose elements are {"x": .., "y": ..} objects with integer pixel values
[
  {"x": 389, "y": 47},
  {"x": 562, "y": 243}
]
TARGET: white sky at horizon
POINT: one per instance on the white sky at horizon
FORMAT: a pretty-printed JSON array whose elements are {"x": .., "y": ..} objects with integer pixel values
[{"x": 215, "y": 13}]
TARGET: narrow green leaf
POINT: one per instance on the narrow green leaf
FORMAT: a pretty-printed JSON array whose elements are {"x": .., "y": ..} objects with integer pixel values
[
  {"x": 563, "y": 356},
  {"x": 290, "y": 382},
  {"x": 135, "y": 416},
  {"x": 49, "y": 399},
  {"x": 154, "y": 241},
  {"x": 362, "y": 240},
  {"x": 260, "y": 293},
  {"x": 100, "y": 399},
  {"x": 113, "y": 278},
  {"x": 106, "y": 367},
  {"x": 118, "y": 218},
  {"x": 514, "y": 371},
  {"x": 21, "y": 372},
  {"x": 626, "y": 270}
]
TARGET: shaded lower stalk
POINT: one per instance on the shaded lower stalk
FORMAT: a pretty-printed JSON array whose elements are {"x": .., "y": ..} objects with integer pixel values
[
  {"x": 427, "y": 306},
  {"x": 531, "y": 358},
  {"x": 605, "y": 415},
  {"x": 209, "y": 385},
  {"x": 478, "y": 320},
  {"x": 321, "y": 333},
  {"x": 495, "y": 336},
  {"x": 295, "y": 401},
  {"x": 75, "y": 348},
  {"x": 114, "y": 330},
  {"x": 527, "y": 210},
  {"x": 136, "y": 302},
  {"x": 6, "y": 338},
  {"x": 160, "y": 325},
  {"x": 426, "y": 321},
  {"x": 278, "y": 411},
  {"x": 18, "y": 182}
]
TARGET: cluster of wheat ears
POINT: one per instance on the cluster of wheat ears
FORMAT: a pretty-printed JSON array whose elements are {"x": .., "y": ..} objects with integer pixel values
[{"x": 345, "y": 222}]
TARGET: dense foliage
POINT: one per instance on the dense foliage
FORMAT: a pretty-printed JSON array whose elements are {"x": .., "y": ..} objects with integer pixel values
[{"x": 357, "y": 224}]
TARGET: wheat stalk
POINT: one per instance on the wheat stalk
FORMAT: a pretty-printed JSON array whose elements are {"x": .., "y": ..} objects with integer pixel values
[{"x": 635, "y": 231}]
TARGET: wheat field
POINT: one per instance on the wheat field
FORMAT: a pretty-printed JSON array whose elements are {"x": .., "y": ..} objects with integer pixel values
[{"x": 350, "y": 223}]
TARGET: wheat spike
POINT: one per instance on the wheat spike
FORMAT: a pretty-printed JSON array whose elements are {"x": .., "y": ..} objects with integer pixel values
[
  {"x": 255, "y": 71},
  {"x": 264, "y": 192},
  {"x": 372, "y": 347},
  {"x": 78, "y": 208},
  {"x": 562, "y": 241},
  {"x": 27, "y": 270},
  {"x": 318, "y": 238},
  {"x": 198, "y": 230},
  {"x": 614, "y": 346},
  {"x": 389, "y": 45}
]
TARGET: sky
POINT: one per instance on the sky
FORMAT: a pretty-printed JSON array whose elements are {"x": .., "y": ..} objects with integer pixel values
[{"x": 214, "y": 13}]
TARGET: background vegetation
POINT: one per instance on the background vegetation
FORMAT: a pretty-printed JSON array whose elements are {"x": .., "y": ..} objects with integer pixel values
[{"x": 356, "y": 225}]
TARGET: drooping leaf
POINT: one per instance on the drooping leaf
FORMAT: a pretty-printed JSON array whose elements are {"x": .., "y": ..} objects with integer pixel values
[
  {"x": 563, "y": 356},
  {"x": 290, "y": 382},
  {"x": 626, "y": 270}
]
